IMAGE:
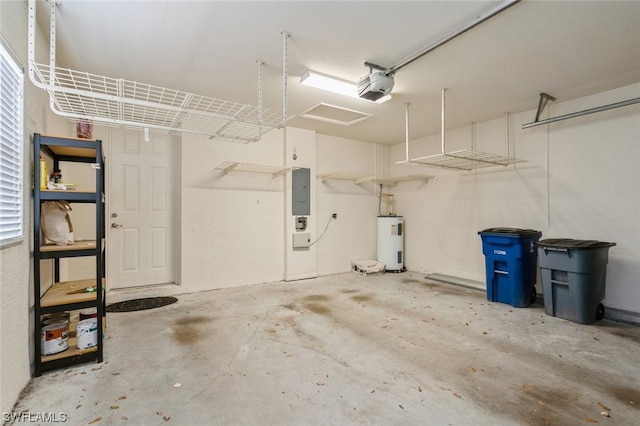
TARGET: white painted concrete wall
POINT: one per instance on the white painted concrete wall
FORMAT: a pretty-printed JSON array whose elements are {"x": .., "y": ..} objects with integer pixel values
[
  {"x": 16, "y": 278},
  {"x": 236, "y": 228},
  {"x": 352, "y": 236},
  {"x": 581, "y": 180},
  {"x": 232, "y": 225}
]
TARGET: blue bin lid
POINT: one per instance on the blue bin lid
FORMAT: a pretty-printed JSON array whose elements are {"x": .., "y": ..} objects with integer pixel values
[
  {"x": 568, "y": 243},
  {"x": 510, "y": 231}
]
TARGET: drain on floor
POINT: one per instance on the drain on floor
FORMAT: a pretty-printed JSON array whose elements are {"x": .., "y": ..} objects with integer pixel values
[{"x": 141, "y": 304}]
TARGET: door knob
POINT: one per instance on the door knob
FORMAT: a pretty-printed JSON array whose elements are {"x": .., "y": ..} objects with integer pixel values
[{"x": 115, "y": 225}]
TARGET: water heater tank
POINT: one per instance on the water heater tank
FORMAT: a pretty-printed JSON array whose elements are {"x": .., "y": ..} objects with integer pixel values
[{"x": 391, "y": 242}]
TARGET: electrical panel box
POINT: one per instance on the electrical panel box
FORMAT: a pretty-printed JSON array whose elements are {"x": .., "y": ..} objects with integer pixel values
[
  {"x": 302, "y": 240},
  {"x": 301, "y": 192}
]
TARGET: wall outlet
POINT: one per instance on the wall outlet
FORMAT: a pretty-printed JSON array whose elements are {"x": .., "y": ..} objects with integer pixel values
[{"x": 335, "y": 215}]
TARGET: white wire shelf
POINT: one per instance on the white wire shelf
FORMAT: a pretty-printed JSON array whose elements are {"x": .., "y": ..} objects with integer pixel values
[
  {"x": 464, "y": 160},
  {"x": 80, "y": 95},
  {"x": 395, "y": 180},
  {"x": 229, "y": 167},
  {"x": 359, "y": 178}
]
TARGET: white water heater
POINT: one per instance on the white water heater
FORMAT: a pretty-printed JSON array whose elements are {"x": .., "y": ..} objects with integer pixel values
[{"x": 391, "y": 242}]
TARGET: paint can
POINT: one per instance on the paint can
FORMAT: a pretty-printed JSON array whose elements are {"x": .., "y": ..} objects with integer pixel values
[
  {"x": 87, "y": 333},
  {"x": 88, "y": 313},
  {"x": 56, "y": 318},
  {"x": 55, "y": 338}
]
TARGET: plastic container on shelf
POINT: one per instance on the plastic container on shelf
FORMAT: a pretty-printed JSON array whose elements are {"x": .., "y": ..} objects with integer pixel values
[
  {"x": 574, "y": 278},
  {"x": 510, "y": 264}
]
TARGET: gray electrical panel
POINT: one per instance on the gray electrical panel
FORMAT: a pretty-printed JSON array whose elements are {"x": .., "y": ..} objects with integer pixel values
[{"x": 301, "y": 192}]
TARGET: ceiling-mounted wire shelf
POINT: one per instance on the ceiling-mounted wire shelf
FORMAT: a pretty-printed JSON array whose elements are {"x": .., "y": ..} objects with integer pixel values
[
  {"x": 463, "y": 159},
  {"x": 81, "y": 96},
  {"x": 117, "y": 102}
]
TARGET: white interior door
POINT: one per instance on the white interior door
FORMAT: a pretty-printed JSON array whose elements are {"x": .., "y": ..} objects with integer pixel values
[{"x": 142, "y": 211}]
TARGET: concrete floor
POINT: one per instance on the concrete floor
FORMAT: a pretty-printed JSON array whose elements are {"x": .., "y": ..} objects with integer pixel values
[{"x": 348, "y": 349}]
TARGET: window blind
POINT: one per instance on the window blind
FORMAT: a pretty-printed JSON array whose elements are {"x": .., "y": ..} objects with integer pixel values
[{"x": 11, "y": 147}]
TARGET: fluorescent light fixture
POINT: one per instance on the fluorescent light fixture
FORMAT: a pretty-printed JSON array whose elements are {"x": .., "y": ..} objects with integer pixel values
[
  {"x": 329, "y": 84},
  {"x": 334, "y": 85}
]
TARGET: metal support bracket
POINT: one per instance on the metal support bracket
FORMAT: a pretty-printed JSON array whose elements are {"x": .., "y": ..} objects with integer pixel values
[
  {"x": 373, "y": 66},
  {"x": 544, "y": 98},
  {"x": 285, "y": 59}
]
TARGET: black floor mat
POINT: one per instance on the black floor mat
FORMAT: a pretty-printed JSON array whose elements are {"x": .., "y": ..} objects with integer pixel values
[{"x": 140, "y": 304}]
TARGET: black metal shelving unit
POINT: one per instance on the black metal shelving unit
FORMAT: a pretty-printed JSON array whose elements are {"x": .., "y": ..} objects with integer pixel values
[{"x": 61, "y": 296}]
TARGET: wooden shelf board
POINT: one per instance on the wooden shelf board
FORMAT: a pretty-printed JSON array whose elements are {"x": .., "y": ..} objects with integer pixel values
[
  {"x": 72, "y": 151},
  {"x": 58, "y": 293},
  {"x": 72, "y": 351},
  {"x": 68, "y": 191},
  {"x": 78, "y": 245},
  {"x": 67, "y": 137}
]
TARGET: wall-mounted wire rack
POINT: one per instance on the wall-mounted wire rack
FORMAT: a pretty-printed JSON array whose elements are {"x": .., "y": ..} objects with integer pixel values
[
  {"x": 230, "y": 166},
  {"x": 81, "y": 96},
  {"x": 360, "y": 178}
]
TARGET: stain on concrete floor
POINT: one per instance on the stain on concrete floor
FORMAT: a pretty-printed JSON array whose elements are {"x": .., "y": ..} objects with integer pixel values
[{"x": 414, "y": 352}]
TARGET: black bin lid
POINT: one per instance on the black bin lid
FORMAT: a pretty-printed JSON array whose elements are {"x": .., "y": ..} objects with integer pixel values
[
  {"x": 510, "y": 231},
  {"x": 569, "y": 243}
]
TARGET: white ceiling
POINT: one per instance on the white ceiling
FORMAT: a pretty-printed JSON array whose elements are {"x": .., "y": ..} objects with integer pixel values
[{"x": 568, "y": 49}]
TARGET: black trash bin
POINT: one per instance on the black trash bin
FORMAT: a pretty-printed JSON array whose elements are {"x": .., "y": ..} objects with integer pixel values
[{"x": 573, "y": 276}]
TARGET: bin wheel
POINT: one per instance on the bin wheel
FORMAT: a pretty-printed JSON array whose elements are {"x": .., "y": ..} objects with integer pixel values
[
  {"x": 533, "y": 296},
  {"x": 599, "y": 312}
]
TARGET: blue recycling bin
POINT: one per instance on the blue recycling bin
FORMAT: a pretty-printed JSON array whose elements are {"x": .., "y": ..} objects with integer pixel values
[{"x": 511, "y": 262}]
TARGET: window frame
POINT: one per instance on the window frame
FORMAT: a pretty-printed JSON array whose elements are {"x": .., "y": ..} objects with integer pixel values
[{"x": 12, "y": 77}]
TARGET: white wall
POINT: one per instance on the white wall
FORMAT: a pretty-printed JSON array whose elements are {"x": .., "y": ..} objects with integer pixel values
[
  {"x": 232, "y": 225},
  {"x": 581, "y": 180},
  {"x": 352, "y": 236},
  {"x": 236, "y": 228},
  {"x": 16, "y": 279}
]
